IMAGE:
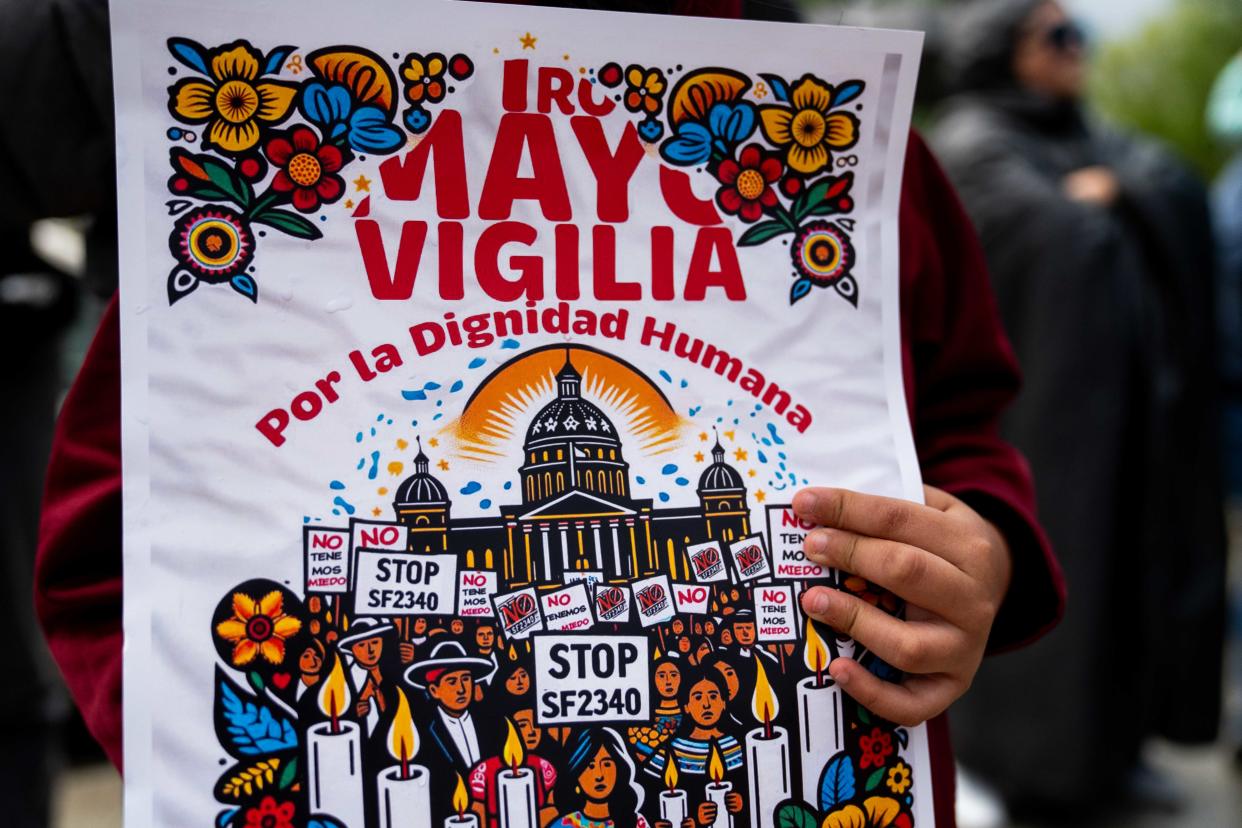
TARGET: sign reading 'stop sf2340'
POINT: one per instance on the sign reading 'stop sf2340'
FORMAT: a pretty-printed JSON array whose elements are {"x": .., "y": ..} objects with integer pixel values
[{"x": 472, "y": 358}]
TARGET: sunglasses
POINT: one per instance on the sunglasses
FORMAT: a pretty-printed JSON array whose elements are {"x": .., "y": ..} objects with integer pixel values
[{"x": 1066, "y": 36}]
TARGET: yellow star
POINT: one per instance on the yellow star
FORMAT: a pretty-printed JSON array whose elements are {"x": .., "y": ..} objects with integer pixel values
[
  {"x": 443, "y": 464},
  {"x": 527, "y": 41},
  {"x": 433, "y": 442},
  {"x": 377, "y": 511},
  {"x": 750, "y": 472},
  {"x": 362, "y": 184},
  {"x": 739, "y": 454},
  {"x": 729, "y": 434},
  {"x": 698, "y": 457},
  {"x": 760, "y": 495},
  {"x": 349, "y": 202},
  {"x": 703, "y": 435}
]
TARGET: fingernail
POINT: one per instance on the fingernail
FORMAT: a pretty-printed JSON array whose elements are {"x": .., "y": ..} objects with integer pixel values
[
  {"x": 804, "y": 502},
  {"x": 817, "y": 602},
  {"x": 817, "y": 542}
]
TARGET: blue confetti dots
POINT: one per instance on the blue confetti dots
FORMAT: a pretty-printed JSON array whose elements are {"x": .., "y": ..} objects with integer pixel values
[
  {"x": 776, "y": 438},
  {"x": 477, "y": 362},
  {"x": 358, "y": 437},
  {"x": 640, "y": 480},
  {"x": 665, "y": 376},
  {"x": 763, "y": 458},
  {"x": 431, "y": 386},
  {"x": 457, "y": 386},
  {"x": 681, "y": 481},
  {"x": 412, "y": 395},
  {"x": 340, "y": 501},
  {"x": 336, "y": 485},
  {"x": 362, "y": 461},
  {"x": 471, "y": 487},
  {"x": 664, "y": 497},
  {"x": 485, "y": 504},
  {"x": 379, "y": 418},
  {"x": 374, "y": 470},
  {"x": 508, "y": 485},
  {"x": 509, "y": 344},
  {"x": 669, "y": 468}
]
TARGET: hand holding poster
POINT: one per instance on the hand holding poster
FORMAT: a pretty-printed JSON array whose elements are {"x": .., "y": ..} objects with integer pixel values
[{"x": 469, "y": 279}]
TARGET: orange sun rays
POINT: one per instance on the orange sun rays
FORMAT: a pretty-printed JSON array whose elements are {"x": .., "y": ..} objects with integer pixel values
[{"x": 494, "y": 422}]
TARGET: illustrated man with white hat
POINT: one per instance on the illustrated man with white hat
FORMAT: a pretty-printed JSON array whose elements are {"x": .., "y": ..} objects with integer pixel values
[
  {"x": 449, "y": 676},
  {"x": 365, "y": 645}
]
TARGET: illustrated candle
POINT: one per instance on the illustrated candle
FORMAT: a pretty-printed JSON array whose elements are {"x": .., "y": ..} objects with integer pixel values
[
  {"x": 334, "y": 753},
  {"x": 717, "y": 790},
  {"x": 463, "y": 818},
  {"x": 516, "y": 806},
  {"x": 404, "y": 789},
  {"x": 821, "y": 715},
  {"x": 768, "y": 769},
  {"x": 674, "y": 807}
]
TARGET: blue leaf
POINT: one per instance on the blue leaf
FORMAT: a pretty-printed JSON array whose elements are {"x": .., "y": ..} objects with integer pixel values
[
  {"x": 847, "y": 92},
  {"x": 249, "y": 727},
  {"x": 189, "y": 53},
  {"x": 323, "y": 822},
  {"x": 780, "y": 89},
  {"x": 225, "y": 817},
  {"x": 691, "y": 145},
  {"x": 837, "y": 785},
  {"x": 800, "y": 288},
  {"x": 276, "y": 59},
  {"x": 326, "y": 104},
  {"x": 733, "y": 123},
  {"x": 651, "y": 130},
  {"x": 369, "y": 131}
]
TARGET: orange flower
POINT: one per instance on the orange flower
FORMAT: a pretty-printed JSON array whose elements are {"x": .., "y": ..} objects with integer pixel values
[
  {"x": 424, "y": 77},
  {"x": 807, "y": 128},
  {"x": 644, "y": 90},
  {"x": 233, "y": 101},
  {"x": 258, "y": 627}
]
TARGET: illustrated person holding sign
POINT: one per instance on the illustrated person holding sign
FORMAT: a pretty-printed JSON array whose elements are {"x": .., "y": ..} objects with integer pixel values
[{"x": 365, "y": 644}]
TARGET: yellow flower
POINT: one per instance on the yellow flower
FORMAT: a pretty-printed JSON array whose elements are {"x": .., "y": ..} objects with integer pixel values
[
  {"x": 877, "y": 812},
  {"x": 233, "y": 100},
  {"x": 807, "y": 128},
  {"x": 899, "y": 779},
  {"x": 258, "y": 627}
]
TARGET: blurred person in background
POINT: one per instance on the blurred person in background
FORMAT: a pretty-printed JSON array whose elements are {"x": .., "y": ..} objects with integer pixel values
[
  {"x": 1101, "y": 257},
  {"x": 1225, "y": 122},
  {"x": 55, "y": 160}
]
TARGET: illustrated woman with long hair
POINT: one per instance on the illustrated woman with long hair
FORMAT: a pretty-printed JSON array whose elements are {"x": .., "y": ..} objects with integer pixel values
[{"x": 596, "y": 786}]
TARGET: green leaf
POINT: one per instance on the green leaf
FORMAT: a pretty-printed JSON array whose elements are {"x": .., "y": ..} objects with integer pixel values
[
  {"x": 874, "y": 780},
  {"x": 289, "y": 774},
  {"x": 256, "y": 680},
  {"x": 795, "y": 815},
  {"x": 863, "y": 715},
  {"x": 287, "y": 222},
  {"x": 761, "y": 233},
  {"x": 228, "y": 181}
]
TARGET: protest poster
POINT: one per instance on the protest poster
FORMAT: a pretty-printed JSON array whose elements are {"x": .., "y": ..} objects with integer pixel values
[{"x": 472, "y": 281}]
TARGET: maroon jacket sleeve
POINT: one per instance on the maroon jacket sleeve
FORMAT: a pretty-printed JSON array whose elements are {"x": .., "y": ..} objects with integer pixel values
[
  {"x": 78, "y": 569},
  {"x": 960, "y": 374}
]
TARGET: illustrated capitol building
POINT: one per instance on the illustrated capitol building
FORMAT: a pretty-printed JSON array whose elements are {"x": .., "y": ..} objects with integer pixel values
[{"x": 577, "y": 513}]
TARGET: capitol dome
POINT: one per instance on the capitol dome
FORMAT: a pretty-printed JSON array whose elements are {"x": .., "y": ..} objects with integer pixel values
[
  {"x": 569, "y": 415},
  {"x": 420, "y": 487},
  {"x": 720, "y": 476}
]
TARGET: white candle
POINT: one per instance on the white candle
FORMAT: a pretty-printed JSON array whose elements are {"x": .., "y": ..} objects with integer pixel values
[
  {"x": 335, "y": 773},
  {"x": 404, "y": 802},
  {"x": 517, "y": 806},
  {"x": 821, "y": 724},
  {"x": 674, "y": 807},
  {"x": 768, "y": 774},
  {"x": 716, "y": 792},
  {"x": 464, "y": 820}
]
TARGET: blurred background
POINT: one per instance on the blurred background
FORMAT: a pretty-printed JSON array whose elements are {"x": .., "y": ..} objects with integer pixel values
[{"x": 1097, "y": 145}]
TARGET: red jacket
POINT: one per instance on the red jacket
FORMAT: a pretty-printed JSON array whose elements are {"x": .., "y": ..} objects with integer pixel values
[{"x": 959, "y": 374}]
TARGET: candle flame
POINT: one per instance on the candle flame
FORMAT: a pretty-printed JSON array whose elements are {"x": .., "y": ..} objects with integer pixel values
[
  {"x": 334, "y": 695},
  {"x": 670, "y": 772},
  {"x": 512, "y": 653},
  {"x": 815, "y": 654},
  {"x": 763, "y": 702},
  {"x": 460, "y": 800},
  {"x": 513, "y": 753},
  {"x": 402, "y": 737},
  {"x": 715, "y": 767}
]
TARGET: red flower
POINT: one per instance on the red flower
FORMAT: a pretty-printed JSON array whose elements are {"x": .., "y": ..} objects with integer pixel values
[
  {"x": 876, "y": 748},
  {"x": 748, "y": 183},
  {"x": 270, "y": 815},
  {"x": 306, "y": 168}
]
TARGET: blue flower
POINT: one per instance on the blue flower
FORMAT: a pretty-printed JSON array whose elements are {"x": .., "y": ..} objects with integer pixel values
[
  {"x": 365, "y": 128},
  {"x": 727, "y": 126},
  {"x": 417, "y": 119},
  {"x": 651, "y": 130}
]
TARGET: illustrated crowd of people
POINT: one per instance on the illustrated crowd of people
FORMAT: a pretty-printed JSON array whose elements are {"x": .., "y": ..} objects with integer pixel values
[{"x": 470, "y": 691}]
